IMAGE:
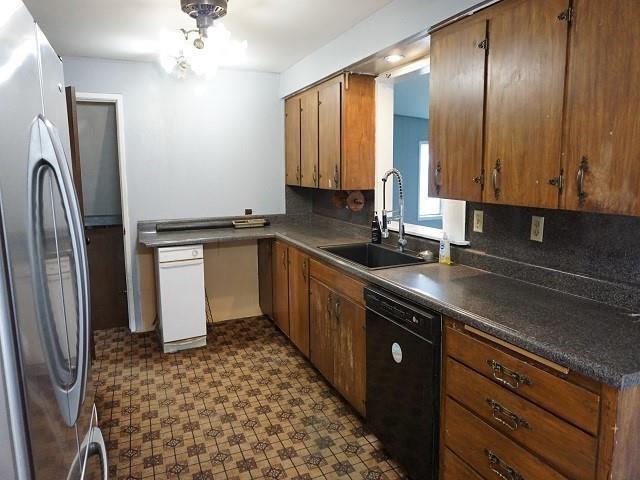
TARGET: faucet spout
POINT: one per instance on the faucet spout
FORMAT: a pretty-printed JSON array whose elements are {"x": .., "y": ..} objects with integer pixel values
[{"x": 402, "y": 242}]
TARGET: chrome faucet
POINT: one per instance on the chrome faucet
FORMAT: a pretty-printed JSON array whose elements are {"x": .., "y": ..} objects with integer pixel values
[{"x": 388, "y": 215}]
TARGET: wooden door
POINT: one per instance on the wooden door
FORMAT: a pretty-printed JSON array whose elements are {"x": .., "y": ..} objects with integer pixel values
[
  {"x": 603, "y": 108},
  {"x": 265, "y": 276},
  {"x": 350, "y": 351},
  {"x": 299, "y": 300},
  {"x": 321, "y": 328},
  {"x": 330, "y": 137},
  {"x": 280, "y": 286},
  {"x": 309, "y": 139},
  {"x": 292, "y": 140},
  {"x": 525, "y": 94},
  {"x": 456, "y": 112}
]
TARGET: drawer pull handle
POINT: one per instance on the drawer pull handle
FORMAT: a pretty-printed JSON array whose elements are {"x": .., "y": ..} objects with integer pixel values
[
  {"x": 508, "y": 377},
  {"x": 502, "y": 469},
  {"x": 506, "y": 417}
]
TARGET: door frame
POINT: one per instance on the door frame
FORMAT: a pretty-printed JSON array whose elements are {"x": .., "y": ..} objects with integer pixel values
[{"x": 118, "y": 101}]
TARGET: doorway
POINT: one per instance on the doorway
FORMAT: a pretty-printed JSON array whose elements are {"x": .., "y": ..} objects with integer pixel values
[{"x": 96, "y": 128}]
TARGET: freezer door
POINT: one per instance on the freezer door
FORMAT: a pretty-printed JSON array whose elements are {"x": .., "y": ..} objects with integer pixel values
[
  {"x": 52, "y": 443},
  {"x": 14, "y": 460}
]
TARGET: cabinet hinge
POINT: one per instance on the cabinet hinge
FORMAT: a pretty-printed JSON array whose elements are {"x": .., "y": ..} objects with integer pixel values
[
  {"x": 479, "y": 179},
  {"x": 567, "y": 15},
  {"x": 558, "y": 181},
  {"x": 484, "y": 44}
]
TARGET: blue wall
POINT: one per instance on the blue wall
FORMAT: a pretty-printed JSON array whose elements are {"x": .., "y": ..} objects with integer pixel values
[{"x": 408, "y": 132}]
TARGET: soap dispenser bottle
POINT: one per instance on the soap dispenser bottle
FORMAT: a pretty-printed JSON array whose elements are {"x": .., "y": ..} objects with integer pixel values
[
  {"x": 445, "y": 250},
  {"x": 376, "y": 232}
]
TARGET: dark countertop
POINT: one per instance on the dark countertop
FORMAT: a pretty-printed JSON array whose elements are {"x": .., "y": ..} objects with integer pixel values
[{"x": 591, "y": 338}]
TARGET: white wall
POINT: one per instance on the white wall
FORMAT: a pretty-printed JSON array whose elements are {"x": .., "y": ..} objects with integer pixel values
[
  {"x": 389, "y": 25},
  {"x": 194, "y": 148}
]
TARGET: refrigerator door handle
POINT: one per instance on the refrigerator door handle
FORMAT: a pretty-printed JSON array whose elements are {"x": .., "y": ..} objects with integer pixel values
[
  {"x": 51, "y": 157},
  {"x": 92, "y": 444}
]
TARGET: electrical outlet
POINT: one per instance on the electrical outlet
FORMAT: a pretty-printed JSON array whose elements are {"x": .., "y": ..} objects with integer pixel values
[
  {"x": 537, "y": 228},
  {"x": 478, "y": 221},
  {"x": 248, "y": 211}
]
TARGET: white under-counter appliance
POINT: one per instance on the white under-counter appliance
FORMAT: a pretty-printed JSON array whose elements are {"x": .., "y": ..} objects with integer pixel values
[{"x": 182, "y": 320}]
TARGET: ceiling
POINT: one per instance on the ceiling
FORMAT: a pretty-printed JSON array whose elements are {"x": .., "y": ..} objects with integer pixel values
[{"x": 279, "y": 32}]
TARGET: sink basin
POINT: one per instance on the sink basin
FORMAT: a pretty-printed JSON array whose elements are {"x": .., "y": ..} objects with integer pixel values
[{"x": 373, "y": 256}]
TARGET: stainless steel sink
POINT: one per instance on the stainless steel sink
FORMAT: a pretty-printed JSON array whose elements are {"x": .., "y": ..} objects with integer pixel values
[{"x": 373, "y": 256}]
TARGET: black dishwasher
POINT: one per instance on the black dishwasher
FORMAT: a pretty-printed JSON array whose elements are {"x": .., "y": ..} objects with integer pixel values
[{"x": 403, "y": 380}]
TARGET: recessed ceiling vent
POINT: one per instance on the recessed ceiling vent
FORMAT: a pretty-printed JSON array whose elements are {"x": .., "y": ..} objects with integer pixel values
[{"x": 204, "y": 12}]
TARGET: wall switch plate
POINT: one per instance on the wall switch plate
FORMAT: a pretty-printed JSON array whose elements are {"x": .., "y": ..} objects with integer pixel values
[
  {"x": 478, "y": 221},
  {"x": 537, "y": 228}
]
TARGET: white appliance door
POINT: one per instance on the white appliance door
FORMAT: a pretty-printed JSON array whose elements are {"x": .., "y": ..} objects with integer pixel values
[{"x": 182, "y": 302}]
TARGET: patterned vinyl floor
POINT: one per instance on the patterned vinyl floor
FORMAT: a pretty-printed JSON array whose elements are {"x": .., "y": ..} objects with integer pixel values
[{"x": 247, "y": 406}]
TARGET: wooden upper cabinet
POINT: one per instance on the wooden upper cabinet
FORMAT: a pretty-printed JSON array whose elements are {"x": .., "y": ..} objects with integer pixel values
[
  {"x": 329, "y": 127},
  {"x": 337, "y": 134},
  {"x": 280, "y": 268},
  {"x": 603, "y": 108},
  {"x": 299, "y": 300},
  {"x": 292, "y": 140},
  {"x": 524, "y": 104},
  {"x": 358, "y": 132},
  {"x": 309, "y": 139},
  {"x": 457, "y": 87}
]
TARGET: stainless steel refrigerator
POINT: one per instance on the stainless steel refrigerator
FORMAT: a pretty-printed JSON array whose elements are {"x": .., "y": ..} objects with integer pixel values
[{"x": 48, "y": 422}]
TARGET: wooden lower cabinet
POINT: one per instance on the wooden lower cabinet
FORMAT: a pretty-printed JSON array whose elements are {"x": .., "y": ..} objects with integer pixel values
[
  {"x": 299, "y": 300},
  {"x": 322, "y": 312},
  {"x": 321, "y": 329},
  {"x": 349, "y": 375},
  {"x": 507, "y": 413},
  {"x": 453, "y": 468},
  {"x": 337, "y": 333},
  {"x": 280, "y": 272}
]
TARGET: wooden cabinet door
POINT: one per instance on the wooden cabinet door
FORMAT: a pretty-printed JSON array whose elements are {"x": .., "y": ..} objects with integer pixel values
[
  {"x": 603, "y": 108},
  {"x": 265, "y": 276},
  {"x": 330, "y": 136},
  {"x": 299, "y": 300},
  {"x": 292, "y": 140},
  {"x": 525, "y": 94},
  {"x": 350, "y": 351},
  {"x": 321, "y": 328},
  {"x": 357, "y": 164},
  {"x": 281, "y": 286},
  {"x": 309, "y": 139},
  {"x": 456, "y": 111}
]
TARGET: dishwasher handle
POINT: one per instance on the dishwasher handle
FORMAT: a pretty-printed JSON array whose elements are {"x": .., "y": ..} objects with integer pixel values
[{"x": 180, "y": 264}]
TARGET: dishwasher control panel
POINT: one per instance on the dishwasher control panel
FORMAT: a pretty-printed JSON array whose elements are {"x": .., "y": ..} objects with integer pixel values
[{"x": 418, "y": 319}]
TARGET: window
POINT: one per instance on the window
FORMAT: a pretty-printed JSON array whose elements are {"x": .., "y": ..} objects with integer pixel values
[
  {"x": 428, "y": 207},
  {"x": 402, "y": 126}
]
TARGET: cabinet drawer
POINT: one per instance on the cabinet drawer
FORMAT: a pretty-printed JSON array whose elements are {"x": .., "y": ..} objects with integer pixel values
[
  {"x": 338, "y": 281},
  {"x": 567, "y": 448},
  {"x": 571, "y": 402},
  {"x": 455, "y": 469},
  {"x": 488, "y": 451}
]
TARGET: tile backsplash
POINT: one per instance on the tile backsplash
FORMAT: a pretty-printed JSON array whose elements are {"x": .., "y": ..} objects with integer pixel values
[
  {"x": 328, "y": 203},
  {"x": 591, "y": 255}
]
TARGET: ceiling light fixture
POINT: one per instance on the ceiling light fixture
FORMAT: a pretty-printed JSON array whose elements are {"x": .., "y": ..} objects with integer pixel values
[
  {"x": 395, "y": 58},
  {"x": 211, "y": 47}
]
